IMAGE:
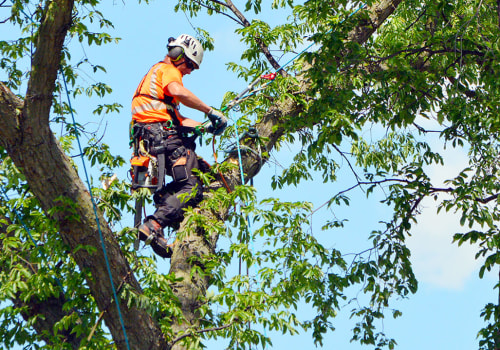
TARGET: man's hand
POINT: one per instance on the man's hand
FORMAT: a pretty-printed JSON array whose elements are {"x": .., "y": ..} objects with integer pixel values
[{"x": 218, "y": 120}]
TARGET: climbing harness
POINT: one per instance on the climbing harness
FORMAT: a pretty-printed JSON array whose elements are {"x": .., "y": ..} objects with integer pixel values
[
  {"x": 148, "y": 141},
  {"x": 151, "y": 161}
]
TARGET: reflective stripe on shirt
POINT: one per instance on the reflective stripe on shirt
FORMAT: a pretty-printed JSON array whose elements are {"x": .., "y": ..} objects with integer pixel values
[
  {"x": 151, "y": 105},
  {"x": 152, "y": 83}
]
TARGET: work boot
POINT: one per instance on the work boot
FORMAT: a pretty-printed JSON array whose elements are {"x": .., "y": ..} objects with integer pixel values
[
  {"x": 149, "y": 229},
  {"x": 161, "y": 247},
  {"x": 151, "y": 233}
]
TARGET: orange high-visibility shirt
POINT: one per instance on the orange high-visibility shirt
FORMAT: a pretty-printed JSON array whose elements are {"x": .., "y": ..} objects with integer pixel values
[{"x": 151, "y": 99}]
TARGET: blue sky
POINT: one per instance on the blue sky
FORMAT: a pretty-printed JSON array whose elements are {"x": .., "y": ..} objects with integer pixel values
[{"x": 444, "y": 314}]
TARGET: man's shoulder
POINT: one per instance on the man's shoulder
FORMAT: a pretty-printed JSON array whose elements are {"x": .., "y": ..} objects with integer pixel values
[
  {"x": 170, "y": 70},
  {"x": 167, "y": 66}
]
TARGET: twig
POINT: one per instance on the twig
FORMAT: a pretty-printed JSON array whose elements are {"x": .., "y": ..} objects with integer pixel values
[
  {"x": 425, "y": 131},
  {"x": 200, "y": 332},
  {"x": 487, "y": 199},
  {"x": 101, "y": 315},
  {"x": 348, "y": 162},
  {"x": 217, "y": 11},
  {"x": 359, "y": 184},
  {"x": 417, "y": 19}
]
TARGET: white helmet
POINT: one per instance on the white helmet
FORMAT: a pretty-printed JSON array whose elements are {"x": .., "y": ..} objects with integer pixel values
[{"x": 191, "y": 46}]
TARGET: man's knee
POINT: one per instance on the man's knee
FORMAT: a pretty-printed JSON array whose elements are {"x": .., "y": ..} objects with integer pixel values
[
  {"x": 174, "y": 203},
  {"x": 169, "y": 211}
]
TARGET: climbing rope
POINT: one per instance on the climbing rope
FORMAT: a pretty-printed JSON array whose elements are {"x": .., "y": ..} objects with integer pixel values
[
  {"x": 94, "y": 206},
  {"x": 21, "y": 221}
]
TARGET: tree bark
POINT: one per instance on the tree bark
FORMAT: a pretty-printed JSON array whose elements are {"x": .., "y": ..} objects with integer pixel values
[{"x": 377, "y": 14}]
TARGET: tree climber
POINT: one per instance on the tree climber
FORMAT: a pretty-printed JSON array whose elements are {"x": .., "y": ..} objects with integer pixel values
[{"x": 161, "y": 128}]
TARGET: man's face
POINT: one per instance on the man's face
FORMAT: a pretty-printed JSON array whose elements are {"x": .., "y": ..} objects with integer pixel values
[{"x": 186, "y": 67}]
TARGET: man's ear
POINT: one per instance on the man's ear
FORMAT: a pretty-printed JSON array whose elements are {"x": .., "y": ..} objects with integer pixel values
[{"x": 176, "y": 53}]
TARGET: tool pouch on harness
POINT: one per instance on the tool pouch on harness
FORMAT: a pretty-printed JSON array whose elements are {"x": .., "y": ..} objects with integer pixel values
[{"x": 179, "y": 171}]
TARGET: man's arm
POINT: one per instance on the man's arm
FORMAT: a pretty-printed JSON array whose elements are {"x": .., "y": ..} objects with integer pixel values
[
  {"x": 187, "y": 98},
  {"x": 187, "y": 121}
]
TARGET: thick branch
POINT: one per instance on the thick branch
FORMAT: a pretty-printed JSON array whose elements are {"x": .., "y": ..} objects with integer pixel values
[{"x": 377, "y": 14}]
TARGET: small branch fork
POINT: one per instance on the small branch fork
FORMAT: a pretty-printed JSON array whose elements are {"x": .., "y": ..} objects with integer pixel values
[
  {"x": 241, "y": 20},
  {"x": 2, "y": 4},
  {"x": 176, "y": 340},
  {"x": 206, "y": 330},
  {"x": 217, "y": 11}
]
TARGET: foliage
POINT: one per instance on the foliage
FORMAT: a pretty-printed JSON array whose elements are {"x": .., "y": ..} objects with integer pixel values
[{"x": 363, "y": 107}]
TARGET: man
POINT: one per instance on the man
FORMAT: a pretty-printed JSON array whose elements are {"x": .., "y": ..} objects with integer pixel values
[{"x": 157, "y": 121}]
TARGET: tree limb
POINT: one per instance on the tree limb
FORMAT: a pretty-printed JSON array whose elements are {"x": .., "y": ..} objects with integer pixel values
[
  {"x": 217, "y": 11},
  {"x": 348, "y": 162},
  {"x": 487, "y": 199},
  {"x": 482, "y": 200},
  {"x": 258, "y": 40}
]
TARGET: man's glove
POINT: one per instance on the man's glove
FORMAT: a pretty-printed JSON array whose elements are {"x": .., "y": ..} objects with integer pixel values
[{"x": 218, "y": 120}]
